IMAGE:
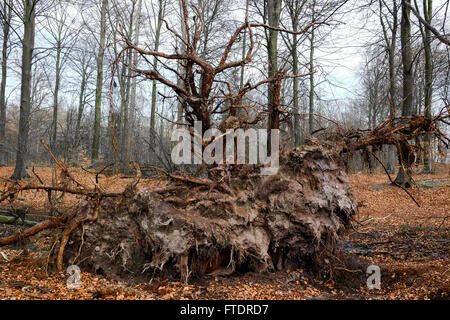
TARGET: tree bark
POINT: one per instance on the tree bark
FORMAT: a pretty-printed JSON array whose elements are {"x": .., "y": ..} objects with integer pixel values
[
  {"x": 7, "y": 16},
  {"x": 311, "y": 70},
  {"x": 99, "y": 86},
  {"x": 81, "y": 104},
  {"x": 428, "y": 12},
  {"x": 244, "y": 44},
  {"x": 295, "y": 89},
  {"x": 403, "y": 178},
  {"x": 29, "y": 17},
  {"x": 391, "y": 44},
  {"x": 161, "y": 10},
  {"x": 15, "y": 220},
  {"x": 125, "y": 104},
  {"x": 137, "y": 30},
  {"x": 273, "y": 93},
  {"x": 181, "y": 69},
  {"x": 55, "y": 97}
]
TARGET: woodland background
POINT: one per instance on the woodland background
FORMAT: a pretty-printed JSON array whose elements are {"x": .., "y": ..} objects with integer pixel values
[{"x": 61, "y": 80}]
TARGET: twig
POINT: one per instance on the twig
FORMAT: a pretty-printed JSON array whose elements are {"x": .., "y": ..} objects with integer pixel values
[
  {"x": 393, "y": 181},
  {"x": 374, "y": 218},
  {"x": 81, "y": 244},
  {"x": 34, "y": 172}
]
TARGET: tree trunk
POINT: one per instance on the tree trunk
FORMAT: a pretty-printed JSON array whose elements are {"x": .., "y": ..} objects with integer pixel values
[
  {"x": 55, "y": 97},
  {"x": 7, "y": 15},
  {"x": 297, "y": 133},
  {"x": 25, "y": 90},
  {"x": 137, "y": 30},
  {"x": 125, "y": 148},
  {"x": 405, "y": 158},
  {"x": 244, "y": 44},
  {"x": 428, "y": 12},
  {"x": 81, "y": 104},
  {"x": 274, "y": 87},
  {"x": 391, "y": 47},
  {"x": 99, "y": 86},
  {"x": 124, "y": 106},
  {"x": 161, "y": 9},
  {"x": 311, "y": 70},
  {"x": 180, "y": 82}
]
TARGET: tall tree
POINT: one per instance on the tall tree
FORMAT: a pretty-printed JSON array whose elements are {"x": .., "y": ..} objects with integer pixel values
[
  {"x": 428, "y": 12},
  {"x": 390, "y": 40},
  {"x": 183, "y": 48},
  {"x": 6, "y": 17},
  {"x": 63, "y": 40},
  {"x": 244, "y": 44},
  {"x": 405, "y": 156},
  {"x": 137, "y": 31},
  {"x": 295, "y": 10},
  {"x": 83, "y": 63},
  {"x": 157, "y": 32},
  {"x": 99, "y": 86},
  {"x": 124, "y": 77},
  {"x": 29, "y": 23},
  {"x": 273, "y": 17},
  {"x": 311, "y": 68}
]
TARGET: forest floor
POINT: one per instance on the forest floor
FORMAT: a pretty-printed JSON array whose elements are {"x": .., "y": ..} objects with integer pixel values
[{"x": 410, "y": 244}]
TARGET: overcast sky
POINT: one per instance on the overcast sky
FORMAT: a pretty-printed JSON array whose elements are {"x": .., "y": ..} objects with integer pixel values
[{"x": 345, "y": 56}]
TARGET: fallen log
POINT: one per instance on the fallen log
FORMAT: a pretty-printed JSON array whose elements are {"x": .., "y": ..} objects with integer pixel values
[
  {"x": 51, "y": 223},
  {"x": 16, "y": 220}
]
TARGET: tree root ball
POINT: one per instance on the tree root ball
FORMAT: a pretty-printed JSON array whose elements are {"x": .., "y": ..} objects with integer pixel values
[{"x": 288, "y": 220}]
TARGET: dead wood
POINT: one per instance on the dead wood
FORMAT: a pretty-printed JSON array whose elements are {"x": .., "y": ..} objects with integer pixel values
[
  {"x": 15, "y": 220},
  {"x": 288, "y": 220}
]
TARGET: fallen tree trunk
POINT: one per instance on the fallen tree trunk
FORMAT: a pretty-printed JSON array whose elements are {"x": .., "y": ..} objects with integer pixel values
[
  {"x": 288, "y": 220},
  {"x": 15, "y": 220},
  {"x": 20, "y": 215},
  {"x": 52, "y": 223}
]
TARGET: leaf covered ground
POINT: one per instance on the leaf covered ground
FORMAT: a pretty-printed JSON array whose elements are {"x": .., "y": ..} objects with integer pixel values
[{"x": 410, "y": 244}]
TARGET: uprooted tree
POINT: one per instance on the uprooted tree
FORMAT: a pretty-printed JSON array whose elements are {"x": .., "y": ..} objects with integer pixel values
[{"x": 231, "y": 217}]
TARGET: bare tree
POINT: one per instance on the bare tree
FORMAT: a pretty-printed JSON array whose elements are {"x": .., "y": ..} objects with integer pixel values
[
  {"x": 83, "y": 65},
  {"x": 6, "y": 17},
  {"x": 158, "y": 22},
  {"x": 137, "y": 31},
  {"x": 405, "y": 154},
  {"x": 390, "y": 40},
  {"x": 295, "y": 10},
  {"x": 63, "y": 39},
  {"x": 202, "y": 95},
  {"x": 28, "y": 19},
  {"x": 443, "y": 38},
  {"x": 273, "y": 18},
  {"x": 99, "y": 86},
  {"x": 426, "y": 36}
]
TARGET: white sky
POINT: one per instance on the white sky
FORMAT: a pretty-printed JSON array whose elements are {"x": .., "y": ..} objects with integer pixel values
[{"x": 351, "y": 37}]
